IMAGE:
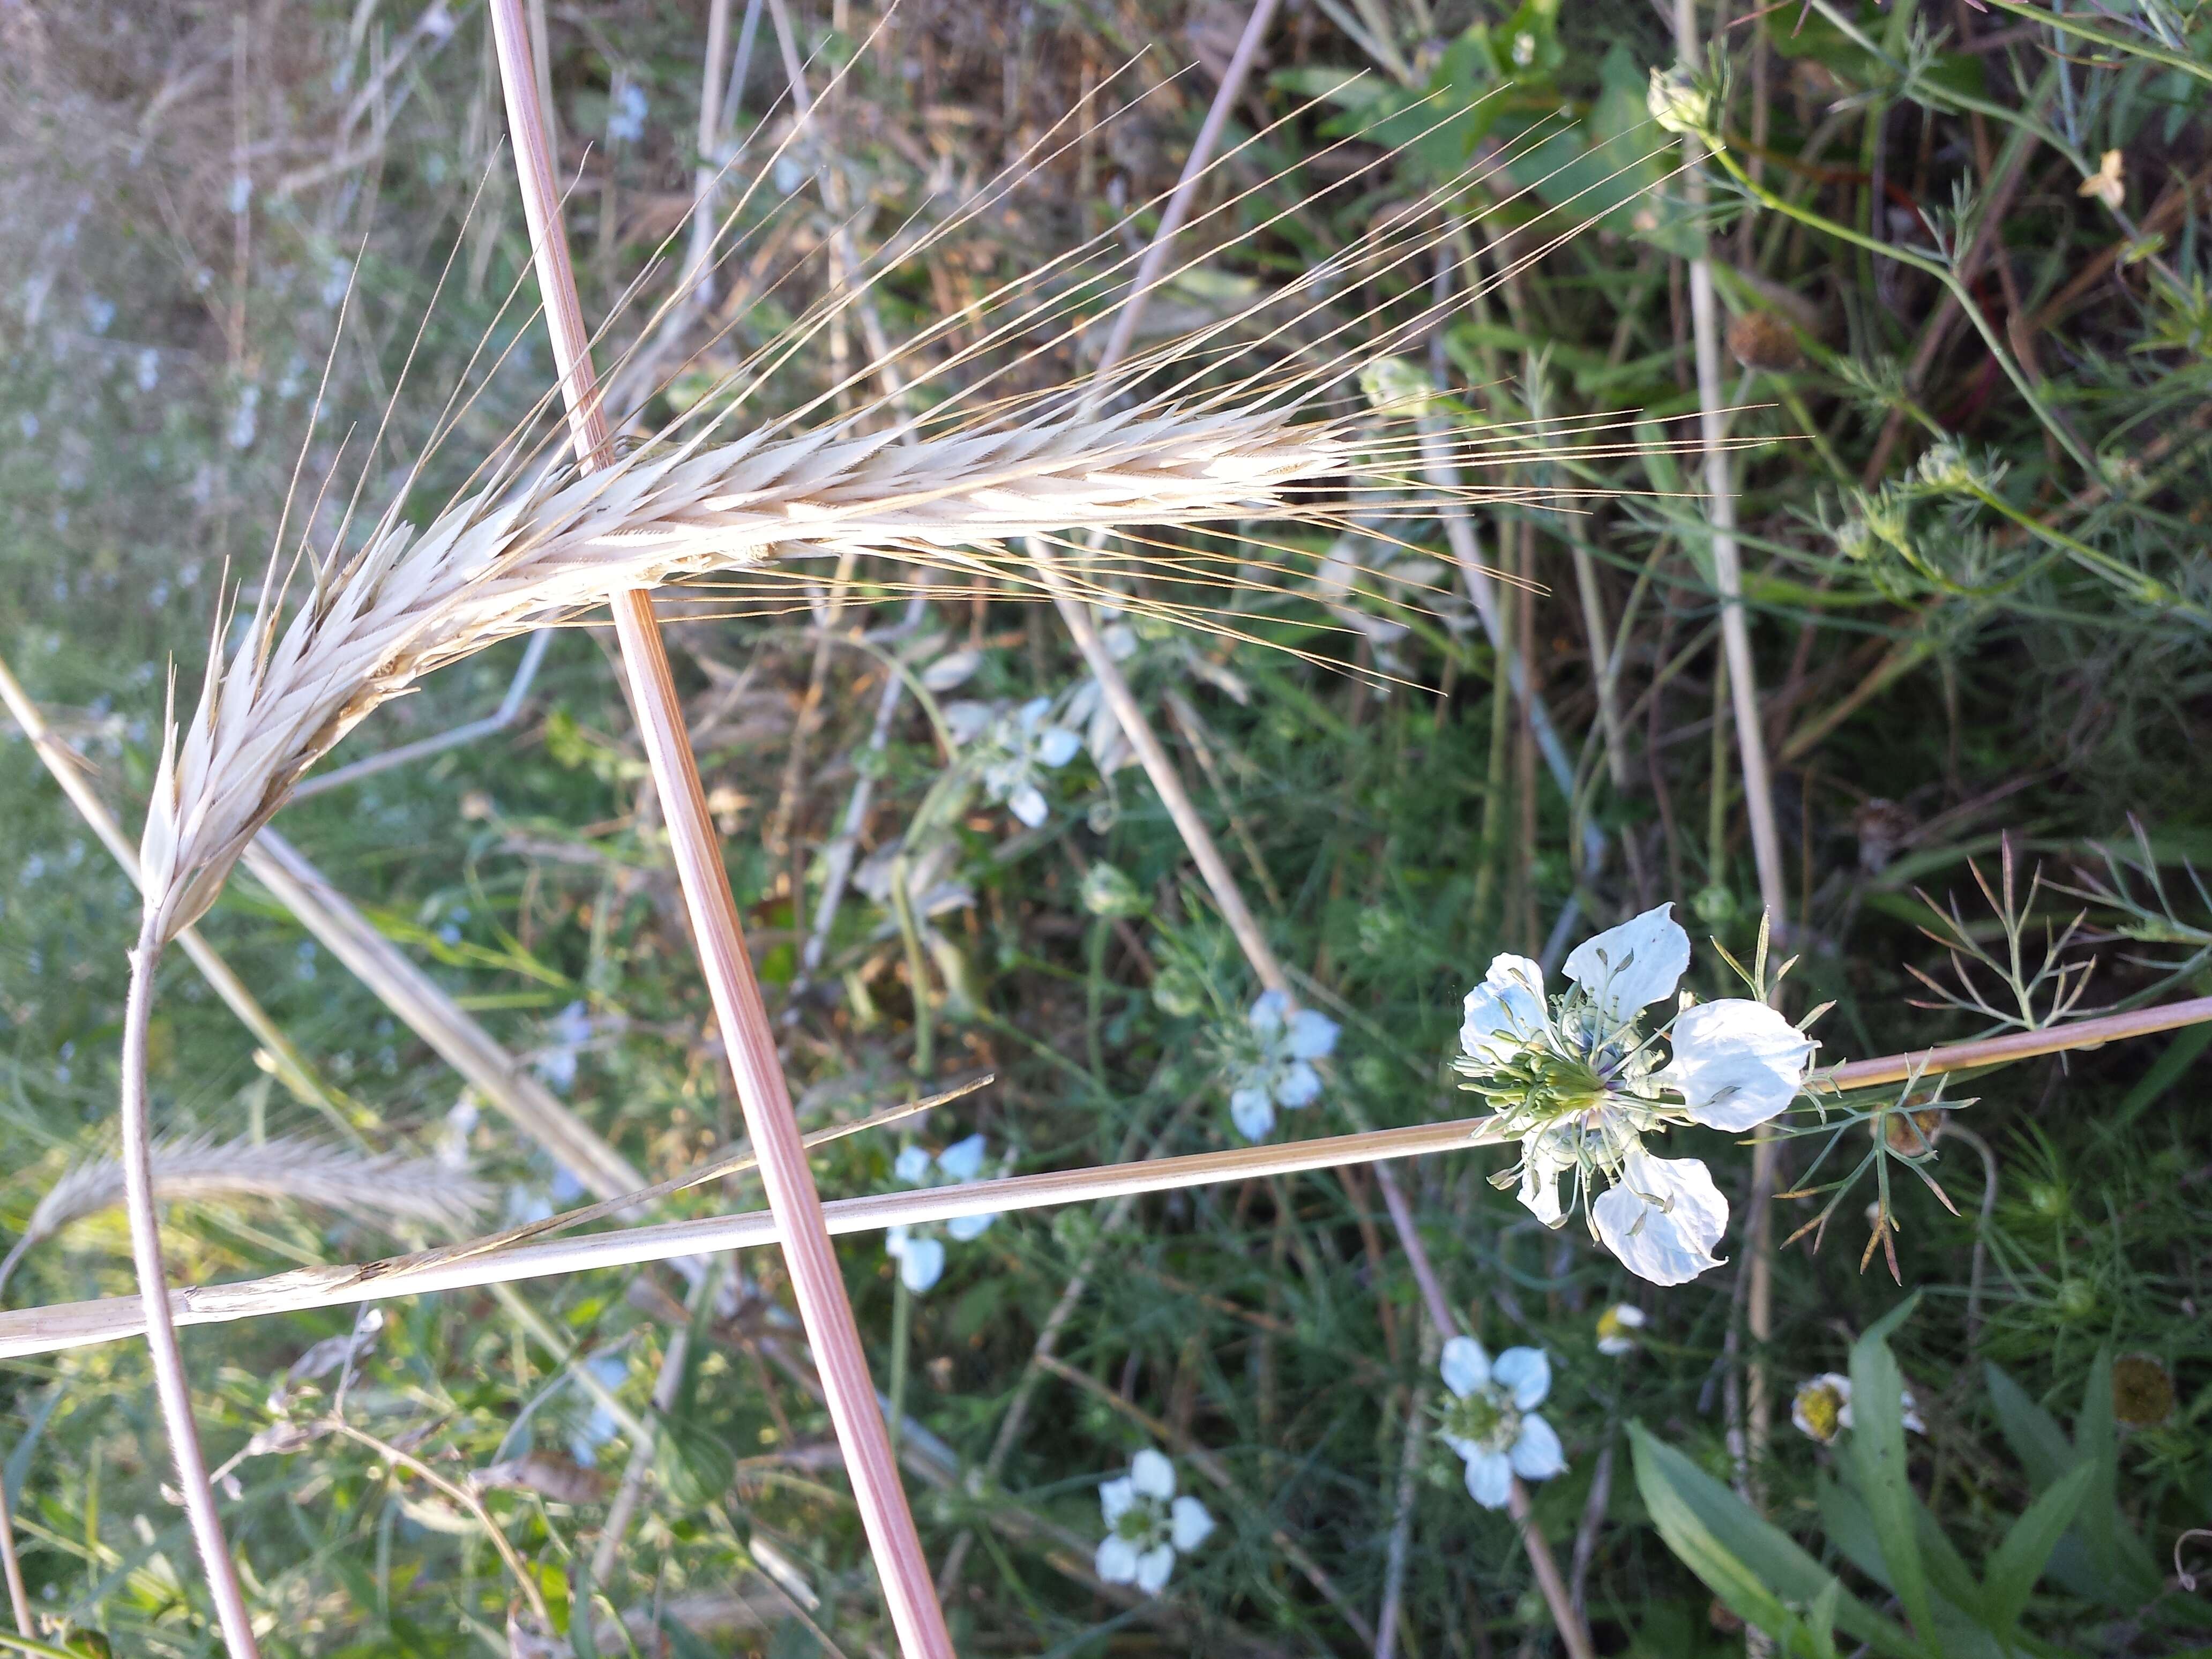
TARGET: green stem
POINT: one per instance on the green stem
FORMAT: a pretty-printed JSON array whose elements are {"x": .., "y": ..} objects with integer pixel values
[
  {"x": 917, "y": 966},
  {"x": 2080, "y": 30},
  {"x": 1943, "y": 274},
  {"x": 2148, "y": 589},
  {"x": 902, "y": 1338}
]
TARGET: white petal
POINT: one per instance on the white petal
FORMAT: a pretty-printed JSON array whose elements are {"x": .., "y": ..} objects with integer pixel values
[
  {"x": 895, "y": 1240},
  {"x": 1298, "y": 1086},
  {"x": 1027, "y": 804},
  {"x": 1631, "y": 966},
  {"x": 1540, "y": 1178},
  {"x": 1117, "y": 1560},
  {"x": 1192, "y": 1526},
  {"x": 922, "y": 1263},
  {"x": 1537, "y": 1455},
  {"x": 1152, "y": 1475},
  {"x": 963, "y": 1159},
  {"x": 1466, "y": 1367},
  {"x": 1116, "y": 1496},
  {"x": 1505, "y": 1013},
  {"x": 965, "y": 721},
  {"x": 1031, "y": 714},
  {"x": 1058, "y": 745},
  {"x": 948, "y": 672},
  {"x": 912, "y": 1166},
  {"x": 1312, "y": 1035},
  {"x": 1527, "y": 1372},
  {"x": 965, "y": 1227},
  {"x": 1253, "y": 1110},
  {"x": 1489, "y": 1479},
  {"x": 1153, "y": 1567},
  {"x": 1736, "y": 1063},
  {"x": 1662, "y": 1218},
  {"x": 1266, "y": 1015}
]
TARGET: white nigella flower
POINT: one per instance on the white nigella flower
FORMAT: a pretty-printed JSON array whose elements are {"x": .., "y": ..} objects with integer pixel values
[
  {"x": 1023, "y": 745},
  {"x": 1577, "y": 1080},
  {"x": 1147, "y": 1525},
  {"x": 570, "y": 1031},
  {"x": 1271, "y": 1062},
  {"x": 1821, "y": 1408},
  {"x": 1617, "y": 1327},
  {"x": 919, "y": 1252},
  {"x": 1493, "y": 1422}
]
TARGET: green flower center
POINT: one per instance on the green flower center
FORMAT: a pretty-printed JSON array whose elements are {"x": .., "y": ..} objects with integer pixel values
[
  {"x": 1487, "y": 1418},
  {"x": 1144, "y": 1524}
]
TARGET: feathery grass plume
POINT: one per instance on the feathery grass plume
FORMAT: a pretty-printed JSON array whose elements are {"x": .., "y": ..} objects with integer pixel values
[
  {"x": 486, "y": 569},
  {"x": 1225, "y": 427},
  {"x": 379, "y": 1186}
]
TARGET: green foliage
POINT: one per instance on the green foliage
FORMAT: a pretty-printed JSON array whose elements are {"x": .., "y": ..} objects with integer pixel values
[{"x": 2071, "y": 1531}]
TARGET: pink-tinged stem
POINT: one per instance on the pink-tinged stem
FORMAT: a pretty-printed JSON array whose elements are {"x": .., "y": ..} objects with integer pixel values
[
  {"x": 817, "y": 1282},
  {"x": 2022, "y": 1045}
]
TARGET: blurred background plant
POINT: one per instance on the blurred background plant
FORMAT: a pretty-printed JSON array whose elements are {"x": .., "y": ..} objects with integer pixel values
[{"x": 1960, "y": 255}]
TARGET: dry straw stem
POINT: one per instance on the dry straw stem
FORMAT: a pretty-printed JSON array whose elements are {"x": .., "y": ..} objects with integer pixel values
[
  {"x": 817, "y": 1285},
  {"x": 389, "y": 1186},
  {"x": 46, "y": 1330},
  {"x": 49, "y": 1330}
]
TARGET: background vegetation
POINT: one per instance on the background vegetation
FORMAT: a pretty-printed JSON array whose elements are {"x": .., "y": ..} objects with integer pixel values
[{"x": 1975, "y": 488}]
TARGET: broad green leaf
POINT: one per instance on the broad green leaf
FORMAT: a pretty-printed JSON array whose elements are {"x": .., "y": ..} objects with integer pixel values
[
  {"x": 1878, "y": 1455},
  {"x": 2032, "y": 1432},
  {"x": 2019, "y": 1561},
  {"x": 1755, "y": 1568}
]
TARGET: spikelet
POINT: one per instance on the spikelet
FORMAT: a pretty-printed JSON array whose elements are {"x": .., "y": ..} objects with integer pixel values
[
  {"x": 389, "y": 1187},
  {"x": 489, "y": 569}
]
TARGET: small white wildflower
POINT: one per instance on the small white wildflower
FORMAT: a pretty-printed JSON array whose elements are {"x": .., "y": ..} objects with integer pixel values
[
  {"x": 98, "y": 313},
  {"x": 1493, "y": 1422},
  {"x": 436, "y": 21},
  {"x": 611, "y": 1370},
  {"x": 1576, "y": 1082},
  {"x": 919, "y": 1252},
  {"x": 569, "y": 1031},
  {"x": 1821, "y": 1408},
  {"x": 453, "y": 1137},
  {"x": 1147, "y": 1525},
  {"x": 1270, "y": 1062},
  {"x": 625, "y": 111},
  {"x": 245, "y": 420},
  {"x": 1617, "y": 1327},
  {"x": 1020, "y": 747},
  {"x": 1524, "y": 49},
  {"x": 149, "y": 370}
]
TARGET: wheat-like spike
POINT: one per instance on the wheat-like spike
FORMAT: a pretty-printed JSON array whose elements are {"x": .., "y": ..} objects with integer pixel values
[
  {"x": 389, "y": 1186},
  {"x": 489, "y": 567}
]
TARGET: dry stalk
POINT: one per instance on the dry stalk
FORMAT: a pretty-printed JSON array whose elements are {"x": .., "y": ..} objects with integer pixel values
[{"x": 79, "y": 1324}]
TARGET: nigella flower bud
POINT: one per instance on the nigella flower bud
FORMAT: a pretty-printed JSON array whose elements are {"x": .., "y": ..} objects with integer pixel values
[{"x": 1677, "y": 102}]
